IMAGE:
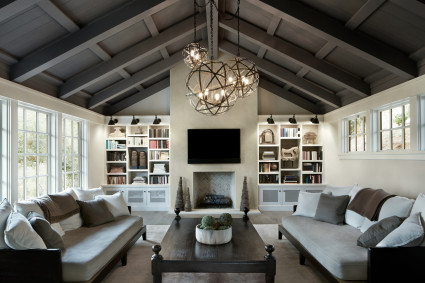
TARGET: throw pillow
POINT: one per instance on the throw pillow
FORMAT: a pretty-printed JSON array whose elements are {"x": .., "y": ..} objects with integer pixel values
[
  {"x": 307, "y": 204},
  {"x": 71, "y": 223},
  {"x": 419, "y": 206},
  {"x": 378, "y": 231},
  {"x": 354, "y": 219},
  {"x": 26, "y": 206},
  {"x": 396, "y": 206},
  {"x": 116, "y": 204},
  {"x": 331, "y": 209},
  {"x": 58, "y": 228},
  {"x": 409, "y": 234},
  {"x": 95, "y": 212},
  {"x": 366, "y": 224},
  {"x": 86, "y": 195},
  {"x": 50, "y": 236},
  {"x": 71, "y": 192},
  {"x": 339, "y": 190},
  {"x": 5, "y": 210},
  {"x": 19, "y": 234}
]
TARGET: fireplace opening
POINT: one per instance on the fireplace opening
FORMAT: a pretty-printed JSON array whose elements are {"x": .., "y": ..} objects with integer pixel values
[
  {"x": 214, "y": 189},
  {"x": 216, "y": 201}
]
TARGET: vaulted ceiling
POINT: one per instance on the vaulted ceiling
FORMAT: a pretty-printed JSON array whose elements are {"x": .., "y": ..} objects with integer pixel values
[{"x": 106, "y": 55}]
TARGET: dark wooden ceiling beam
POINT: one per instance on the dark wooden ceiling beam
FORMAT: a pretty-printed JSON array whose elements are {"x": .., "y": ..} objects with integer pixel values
[
  {"x": 298, "y": 55},
  {"x": 137, "y": 78},
  {"x": 143, "y": 94},
  {"x": 129, "y": 56},
  {"x": 332, "y": 30},
  {"x": 285, "y": 76},
  {"x": 271, "y": 29},
  {"x": 154, "y": 32},
  {"x": 89, "y": 35},
  {"x": 212, "y": 40},
  {"x": 9, "y": 8},
  {"x": 291, "y": 97},
  {"x": 363, "y": 13}
]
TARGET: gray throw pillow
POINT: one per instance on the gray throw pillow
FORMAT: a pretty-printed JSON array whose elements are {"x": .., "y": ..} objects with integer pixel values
[
  {"x": 95, "y": 212},
  {"x": 378, "y": 231},
  {"x": 51, "y": 238},
  {"x": 331, "y": 209}
]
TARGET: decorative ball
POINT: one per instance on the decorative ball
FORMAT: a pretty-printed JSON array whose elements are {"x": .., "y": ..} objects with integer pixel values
[
  {"x": 246, "y": 76},
  {"x": 194, "y": 54},
  {"x": 226, "y": 219},
  {"x": 208, "y": 221}
]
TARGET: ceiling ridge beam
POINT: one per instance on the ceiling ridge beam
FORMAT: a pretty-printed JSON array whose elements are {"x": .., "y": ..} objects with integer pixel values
[
  {"x": 150, "y": 24},
  {"x": 128, "y": 57},
  {"x": 137, "y": 78},
  {"x": 11, "y": 8},
  {"x": 330, "y": 29},
  {"x": 271, "y": 29},
  {"x": 212, "y": 41},
  {"x": 285, "y": 76},
  {"x": 299, "y": 56},
  {"x": 137, "y": 97},
  {"x": 82, "y": 39},
  {"x": 291, "y": 97}
]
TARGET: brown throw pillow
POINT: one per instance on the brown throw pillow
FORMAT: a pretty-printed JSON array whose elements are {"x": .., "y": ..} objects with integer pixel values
[
  {"x": 378, "y": 231},
  {"x": 51, "y": 238},
  {"x": 95, "y": 212},
  {"x": 331, "y": 209}
]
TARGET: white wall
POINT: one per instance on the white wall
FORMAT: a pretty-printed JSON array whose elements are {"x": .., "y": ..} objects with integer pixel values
[
  {"x": 182, "y": 117},
  {"x": 157, "y": 104},
  {"x": 394, "y": 173},
  {"x": 269, "y": 103}
]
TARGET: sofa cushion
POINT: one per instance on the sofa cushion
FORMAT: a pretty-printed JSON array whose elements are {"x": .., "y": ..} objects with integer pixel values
[
  {"x": 19, "y": 234},
  {"x": 333, "y": 246},
  {"x": 339, "y": 190},
  {"x": 419, "y": 206},
  {"x": 409, "y": 234},
  {"x": 115, "y": 203},
  {"x": 354, "y": 219},
  {"x": 86, "y": 195},
  {"x": 51, "y": 238},
  {"x": 307, "y": 204},
  {"x": 378, "y": 231},
  {"x": 331, "y": 209},
  {"x": 71, "y": 223},
  {"x": 95, "y": 212},
  {"x": 398, "y": 206},
  {"x": 26, "y": 206},
  {"x": 87, "y": 250},
  {"x": 5, "y": 210},
  {"x": 366, "y": 224}
]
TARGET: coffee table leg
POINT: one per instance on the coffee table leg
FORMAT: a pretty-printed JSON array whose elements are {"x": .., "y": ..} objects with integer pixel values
[
  {"x": 271, "y": 264},
  {"x": 156, "y": 261}
]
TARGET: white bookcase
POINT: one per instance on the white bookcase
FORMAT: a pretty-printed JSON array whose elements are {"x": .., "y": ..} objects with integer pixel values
[
  {"x": 281, "y": 176},
  {"x": 145, "y": 184}
]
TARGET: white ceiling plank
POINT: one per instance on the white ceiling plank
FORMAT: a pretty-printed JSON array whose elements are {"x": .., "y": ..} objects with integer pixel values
[{"x": 11, "y": 8}]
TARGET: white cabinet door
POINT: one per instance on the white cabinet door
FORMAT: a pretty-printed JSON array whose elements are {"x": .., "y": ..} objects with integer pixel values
[
  {"x": 157, "y": 197},
  {"x": 270, "y": 196},
  {"x": 136, "y": 198}
]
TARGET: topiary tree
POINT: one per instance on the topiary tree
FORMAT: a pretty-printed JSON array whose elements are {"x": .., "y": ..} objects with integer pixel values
[
  {"x": 245, "y": 196},
  {"x": 179, "y": 199},
  {"x": 187, "y": 204}
]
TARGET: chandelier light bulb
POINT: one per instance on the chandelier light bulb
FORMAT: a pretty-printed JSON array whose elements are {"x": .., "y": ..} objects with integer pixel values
[
  {"x": 247, "y": 76},
  {"x": 194, "y": 54}
]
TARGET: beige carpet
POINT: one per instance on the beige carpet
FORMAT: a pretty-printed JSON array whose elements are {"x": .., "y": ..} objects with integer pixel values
[{"x": 138, "y": 268}]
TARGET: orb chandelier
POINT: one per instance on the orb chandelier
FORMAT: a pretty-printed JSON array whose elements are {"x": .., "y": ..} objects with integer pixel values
[
  {"x": 247, "y": 76},
  {"x": 194, "y": 53},
  {"x": 210, "y": 90}
]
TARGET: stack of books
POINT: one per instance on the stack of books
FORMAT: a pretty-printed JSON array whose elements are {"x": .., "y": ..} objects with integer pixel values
[
  {"x": 268, "y": 155},
  {"x": 139, "y": 180},
  {"x": 290, "y": 179},
  {"x": 159, "y": 169}
]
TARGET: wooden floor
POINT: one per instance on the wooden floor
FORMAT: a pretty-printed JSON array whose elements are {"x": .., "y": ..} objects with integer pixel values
[{"x": 163, "y": 218}]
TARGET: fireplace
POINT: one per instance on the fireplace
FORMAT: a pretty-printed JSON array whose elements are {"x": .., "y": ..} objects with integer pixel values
[{"x": 214, "y": 189}]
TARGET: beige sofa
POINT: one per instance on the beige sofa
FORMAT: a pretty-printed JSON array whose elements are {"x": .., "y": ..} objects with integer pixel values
[{"x": 89, "y": 254}]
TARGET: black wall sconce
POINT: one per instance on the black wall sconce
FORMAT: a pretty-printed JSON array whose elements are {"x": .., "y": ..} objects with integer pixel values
[
  {"x": 135, "y": 121},
  {"x": 112, "y": 121},
  {"x": 270, "y": 119},
  {"x": 156, "y": 121},
  {"x": 293, "y": 120},
  {"x": 315, "y": 120}
]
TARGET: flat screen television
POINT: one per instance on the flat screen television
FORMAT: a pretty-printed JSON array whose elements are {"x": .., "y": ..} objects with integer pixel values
[{"x": 213, "y": 146}]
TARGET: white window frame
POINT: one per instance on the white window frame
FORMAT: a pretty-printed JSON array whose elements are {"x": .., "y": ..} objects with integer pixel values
[
  {"x": 5, "y": 148},
  {"x": 82, "y": 147},
  {"x": 52, "y": 152},
  {"x": 376, "y": 118},
  {"x": 421, "y": 122},
  {"x": 346, "y": 136}
]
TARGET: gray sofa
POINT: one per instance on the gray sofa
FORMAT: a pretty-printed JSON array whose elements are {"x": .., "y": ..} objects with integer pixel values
[
  {"x": 333, "y": 250},
  {"x": 89, "y": 254}
]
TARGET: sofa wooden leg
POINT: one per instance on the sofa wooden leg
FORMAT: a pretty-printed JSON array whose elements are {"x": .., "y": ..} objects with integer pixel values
[
  {"x": 302, "y": 259},
  {"x": 280, "y": 235},
  {"x": 144, "y": 236},
  {"x": 124, "y": 260}
]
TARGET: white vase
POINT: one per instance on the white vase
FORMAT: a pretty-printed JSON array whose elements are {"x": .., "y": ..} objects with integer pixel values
[{"x": 213, "y": 237}]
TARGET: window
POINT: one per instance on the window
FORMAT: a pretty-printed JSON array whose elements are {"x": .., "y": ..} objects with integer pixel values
[
  {"x": 72, "y": 148},
  {"x": 354, "y": 132},
  {"x": 394, "y": 127},
  {"x": 34, "y": 152},
  {"x": 4, "y": 148}
]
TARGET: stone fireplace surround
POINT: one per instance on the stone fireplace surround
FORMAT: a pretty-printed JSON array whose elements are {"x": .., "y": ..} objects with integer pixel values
[{"x": 219, "y": 183}]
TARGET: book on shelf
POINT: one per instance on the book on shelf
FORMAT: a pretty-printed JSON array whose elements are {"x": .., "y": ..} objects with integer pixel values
[
  {"x": 290, "y": 132},
  {"x": 139, "y": 180},
  {"x": 312, "y": 155},
  {"x": 159, "y": 133},
  {"x": 312, "y": 179},
  {"x": 111, "y": 144},
  {"x": 158, "y": 144},
  {"x": 116, "y": 180},
  {"x": 116, "y": 156},
  {"x": 269, "y": 179},
  {"x": 159, "y": 168},
  {"x": 137, "y": 141},
  {"x": 159, "y": 155},
  {"x": 159, "y": 179},
  {"x": 290, "y": 179},
  {"x": 269, "y": 155}
]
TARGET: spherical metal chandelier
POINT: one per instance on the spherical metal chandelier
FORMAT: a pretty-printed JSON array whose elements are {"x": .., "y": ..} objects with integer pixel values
[
  {"x": 209, "y": 89},
  {"x": 194, "y": 54},
  {"x": 247, "y": 77}
]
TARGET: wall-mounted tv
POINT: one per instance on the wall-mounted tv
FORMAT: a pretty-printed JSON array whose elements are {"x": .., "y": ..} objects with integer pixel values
[{"x": 213, "y": 146}]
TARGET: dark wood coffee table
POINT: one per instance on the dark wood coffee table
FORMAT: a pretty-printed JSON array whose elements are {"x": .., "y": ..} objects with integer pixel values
[{"x": 182, "y": 253}]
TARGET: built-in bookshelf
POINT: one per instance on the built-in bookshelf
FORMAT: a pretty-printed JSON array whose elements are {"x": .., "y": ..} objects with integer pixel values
[{"x": 137, "y": 154}]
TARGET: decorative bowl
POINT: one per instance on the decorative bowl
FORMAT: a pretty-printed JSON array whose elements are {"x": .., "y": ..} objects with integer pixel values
[{"x": 213, "y": 237}]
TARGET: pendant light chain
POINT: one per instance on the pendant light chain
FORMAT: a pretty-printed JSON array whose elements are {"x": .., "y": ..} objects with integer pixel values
[
  {"x": 211, "y": 29},
  {"x": 194, "y": 21},
  {"x": 237, "y": 13}
]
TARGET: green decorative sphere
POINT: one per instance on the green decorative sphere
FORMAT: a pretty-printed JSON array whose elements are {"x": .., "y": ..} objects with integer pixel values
[
  {"x": 208, "y": 221},
  {"x": 225, "y": 219},
  {"x": 209, "y": 228},
  {"x": 223, "y": 227}
]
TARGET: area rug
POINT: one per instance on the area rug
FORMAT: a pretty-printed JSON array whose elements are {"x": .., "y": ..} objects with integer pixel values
[{"x": 138, "y": 267}]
